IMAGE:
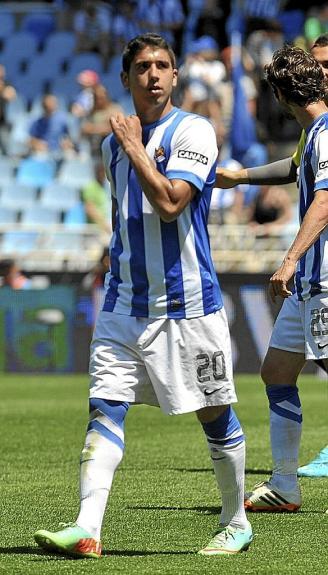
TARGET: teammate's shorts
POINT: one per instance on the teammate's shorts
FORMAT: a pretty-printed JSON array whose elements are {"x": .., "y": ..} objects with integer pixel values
[
  {"x": 180, "y": 365},
  {"x": 302, "y": 327}
]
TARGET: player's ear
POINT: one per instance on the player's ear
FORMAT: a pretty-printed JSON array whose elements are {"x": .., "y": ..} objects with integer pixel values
[
  {"x": 125, "y": 80},
  {"x": 175, "y": 77}
]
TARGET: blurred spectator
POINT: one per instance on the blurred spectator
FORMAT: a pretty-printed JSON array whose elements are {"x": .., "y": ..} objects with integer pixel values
[
  {"x": 95, "y": 196},
  {"x": 83, "y": 103},
  {"x": 261, "y": 44},
  {"x": 164, "y": 17},
  {"x": 50, "y": 133},
  {"x": 125, "y": 24},
  {"x": 229, "y": 206},
  {"x": 11, "y": 276},
  {"x": 271, "y": 211},
  {"x": 202, "y": 72},
  {"x": 92, "y": 26},
  {"x": 7, "y": 94},
  {"x": 316, "y": 23},
  {"x": 96, "y": 125}
]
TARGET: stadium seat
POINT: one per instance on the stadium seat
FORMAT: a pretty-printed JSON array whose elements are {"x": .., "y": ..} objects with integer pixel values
[
  {"x": 59, "y": 196},
  {"x": 113, "y": 84},
  {"x": 40, "y": 66},
  {"x": 7, "y": 169},
  {"x": 60, "y": 45},
  {"x": 8, "y": 215},
  {"x": 76, "y": 172},
  {"x": 75, "y": 216},
  {"x": 292, "y": 23},
  {"x": 84, "y": 61},
  {"x": 40, "y": 25},
  {"x": 40, "y": 215},
  {"x": 19, "y": 242},
  {"x": 18, "y": 196},
  {"x": 7, "y": 25},
  {"x": 16, "y": 144},
  {"x": 29, "y": 86},
  {"x": 66, "y": 242},
  {"x": 65, "y": 87},
  {"x": 19, "y": 48},
  {"x": 36, "y": 172}
]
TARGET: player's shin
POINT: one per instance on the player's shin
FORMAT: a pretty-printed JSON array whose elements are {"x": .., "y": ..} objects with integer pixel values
[
  {"x": 285, "y": 432},
  {"x": 227, "y": 449},
  {"x": 101, "y": 455}
]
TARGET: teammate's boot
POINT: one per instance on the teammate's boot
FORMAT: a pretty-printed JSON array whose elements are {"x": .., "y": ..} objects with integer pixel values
[
  {"x": 318, "y": 467},
  {"x": 228, "y": 541},
  {"x": 266, "y": 498},
  {"x": 71, "y": 540}
]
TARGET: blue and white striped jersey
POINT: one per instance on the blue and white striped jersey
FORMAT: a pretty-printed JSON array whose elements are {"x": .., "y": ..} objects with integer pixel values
[
  {"x": 312, "y": 272},
  {"x": 161, "y": 269}
]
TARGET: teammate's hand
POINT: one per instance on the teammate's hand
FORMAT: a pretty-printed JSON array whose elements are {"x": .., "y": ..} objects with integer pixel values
[
  {"x": 281, "y": 281},
  {"x": 127, "y": 130},
  {"x": 226, "y": 178}
]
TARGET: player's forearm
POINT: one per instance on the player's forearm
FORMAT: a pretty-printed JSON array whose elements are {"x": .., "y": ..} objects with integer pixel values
[
  {"x": 280, "y": 172},
  {"x": 156, "y": 187},
  {"x": 315, "y": 221}
]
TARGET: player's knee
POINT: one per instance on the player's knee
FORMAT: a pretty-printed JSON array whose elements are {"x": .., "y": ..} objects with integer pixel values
[{"x": 210, "y": 413}]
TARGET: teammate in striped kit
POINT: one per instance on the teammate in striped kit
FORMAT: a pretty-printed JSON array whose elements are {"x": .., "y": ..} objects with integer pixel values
[
  {"x": 162, "y": 337},
  {"x": 299, "y": 333}
]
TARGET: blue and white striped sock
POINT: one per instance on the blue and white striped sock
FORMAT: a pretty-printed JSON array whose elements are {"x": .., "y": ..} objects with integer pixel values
[
  {"x": 285, "y": 433},
  {"x": 101, "y": 455},
  {"x": 226, "y": 443}
]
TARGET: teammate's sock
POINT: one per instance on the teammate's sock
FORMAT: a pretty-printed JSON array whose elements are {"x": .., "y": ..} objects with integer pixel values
[
  {"x": 101, "y": 455},
  {"x": 227, "y": 449},
  {"x": 285, "y": 432}
]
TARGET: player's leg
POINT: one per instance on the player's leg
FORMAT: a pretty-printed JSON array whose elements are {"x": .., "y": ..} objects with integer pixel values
[
  {"x": 282, "y": 365},
  {"x": 116, "y": 372},
  {"x": 226, "y": 444}
]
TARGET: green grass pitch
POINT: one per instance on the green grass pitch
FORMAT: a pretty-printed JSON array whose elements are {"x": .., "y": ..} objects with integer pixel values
[{"x": 164, "y": 503}]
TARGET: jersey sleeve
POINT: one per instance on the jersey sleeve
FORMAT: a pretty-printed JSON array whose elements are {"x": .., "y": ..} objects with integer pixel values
[
  {"x": 106, "y": 152},
  {"x": 193, "y": 153},
  {"x": 299, "y": 150},
  {"x": 320, "y": 165}
]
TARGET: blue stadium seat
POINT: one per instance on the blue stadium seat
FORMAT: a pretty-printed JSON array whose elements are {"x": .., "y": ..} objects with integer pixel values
[
  {"x": 40, "y": 66},
  {"x": 8, "y": 215},
  {"x": 66, "y": 242},
  {"x": 75, "y": 216},
  {"x": 113, "y": 84},
  {"x": 7, "y": 25},
  {"x": 59, "y": 196},
  {"x": 59, "y": 45},
  {"x": 29, "y": 86},
  {"x": 65, "y": 87},
  {"x": 40, "y": 25},
  {"x": 292, "y": 23},
  {"x": 19, "y": 242},
  {"x": 85, "y": 61},
  {"x": 18, "y": 196},
  {"x": 36, "y": 172},
  {"x": 19, "y": 48},
  {"x": 76, "y": 172},
  {"x": 40, "y": 215},
  {"x": 7, "y": 169}
]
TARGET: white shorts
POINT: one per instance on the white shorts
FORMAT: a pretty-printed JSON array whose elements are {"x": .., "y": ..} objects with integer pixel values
[
  {"x": 302, "y": 327},
  {"x": 180, "y": 365}
]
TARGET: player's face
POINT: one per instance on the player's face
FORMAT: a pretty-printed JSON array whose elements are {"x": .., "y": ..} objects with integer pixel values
[
  {"x": 151, "y": 78},
  {"x": 320, "y": 53}
]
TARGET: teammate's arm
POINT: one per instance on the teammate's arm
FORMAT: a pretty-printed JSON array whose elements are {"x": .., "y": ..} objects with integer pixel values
[
  {"x": 314, "y": 222},
  {"x": 275, "y": 173},
  {"x": 167, "y": 197}
]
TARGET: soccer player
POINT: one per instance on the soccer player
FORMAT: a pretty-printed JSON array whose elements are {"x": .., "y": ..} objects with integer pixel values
[
  {"x": 299, "y": 333},
  {"x": 283, "y": 172},
  {"x": 162, "y": 337}
]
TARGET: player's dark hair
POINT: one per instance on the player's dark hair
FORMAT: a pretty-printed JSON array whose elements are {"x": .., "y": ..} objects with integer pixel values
[
  {"x": 320, "y": 42},
  {"x": 139, "y": 43},
  {"x": 298, "y": 76}
]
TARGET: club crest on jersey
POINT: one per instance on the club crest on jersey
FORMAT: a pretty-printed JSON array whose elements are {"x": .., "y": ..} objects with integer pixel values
[
  {"x": 195, "y": 156},
  {"x": 159, "y": 155}
]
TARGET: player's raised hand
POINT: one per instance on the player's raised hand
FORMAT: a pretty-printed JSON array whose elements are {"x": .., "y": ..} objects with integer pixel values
[
  {"x": 281, "y": 281},
  {"x": 127, "y": 129}
]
